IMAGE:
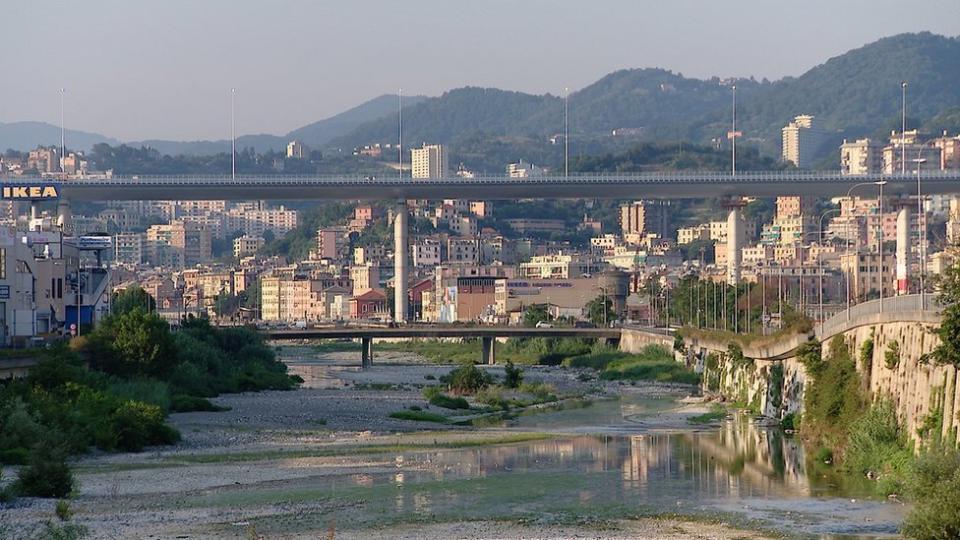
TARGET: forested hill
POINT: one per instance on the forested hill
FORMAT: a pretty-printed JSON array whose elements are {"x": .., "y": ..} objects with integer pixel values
[{"x": 854, "y": 94}]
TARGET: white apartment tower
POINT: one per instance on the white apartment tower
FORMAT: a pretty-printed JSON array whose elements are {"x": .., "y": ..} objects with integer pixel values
[
  {"x": 862, "y": 156},
  {"x": 801, "y": 141},
  {"x": 429, "y": 161}
]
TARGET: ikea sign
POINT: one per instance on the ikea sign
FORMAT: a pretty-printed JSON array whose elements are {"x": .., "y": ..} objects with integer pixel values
[{"x": 31, "y": 192}]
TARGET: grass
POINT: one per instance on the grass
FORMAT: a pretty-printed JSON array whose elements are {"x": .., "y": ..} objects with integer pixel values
[
  {"x": 653, "y": 363},
  {"x": 347, "y": 450},
  {"x": 336, "y": 346},
  {"x": 716, "y": 414},
  {"x": 420, "y": 416}
]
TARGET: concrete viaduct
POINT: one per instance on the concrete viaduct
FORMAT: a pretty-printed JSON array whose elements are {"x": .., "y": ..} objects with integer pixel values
[{"x": 655, "y": 185}]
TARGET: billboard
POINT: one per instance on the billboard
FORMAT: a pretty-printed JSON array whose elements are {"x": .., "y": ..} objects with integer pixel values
[{"x": 39, "y": 191}]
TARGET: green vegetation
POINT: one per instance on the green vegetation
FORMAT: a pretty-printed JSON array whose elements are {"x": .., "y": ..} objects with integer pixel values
[
  {"x": 934, "y": 486},
  {"x": 138, "y": 372},
  {"x": 891, "y": 356},
  {"x": 467, "y": 379},
  {"x": 512, "y": 375},
  {"x": 419, "y": 416},
  {"x": 600, "y": 310},
  {"x": 716, "y": 414},
  {"x": 653, "y": 363},
  {"x": 437, "y": 398},
  {"x": 833, "y": 399}
]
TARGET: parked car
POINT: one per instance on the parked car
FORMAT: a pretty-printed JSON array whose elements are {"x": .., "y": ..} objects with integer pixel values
[{"x": 544, "y": 324}]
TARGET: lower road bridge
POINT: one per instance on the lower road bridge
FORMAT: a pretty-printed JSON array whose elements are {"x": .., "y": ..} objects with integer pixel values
[{"x": 488, "y": 335}]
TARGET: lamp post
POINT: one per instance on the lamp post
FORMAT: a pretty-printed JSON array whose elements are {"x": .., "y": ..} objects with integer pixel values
[
  {"x": 880, "y": 183},
  {"x": 849, "y": 191},
  {"x": 820, "y": 261},
  {"x": 921, "y": 228},
  {"x": 903, "y": 134}
]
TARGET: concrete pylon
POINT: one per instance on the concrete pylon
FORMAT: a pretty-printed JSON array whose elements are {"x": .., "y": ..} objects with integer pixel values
[
  {"x": 400, "y": 263},
  {"x": 734, "y": 244},
  {"x": 64, "y": 216},
  {"x": 903, "y": 248}
]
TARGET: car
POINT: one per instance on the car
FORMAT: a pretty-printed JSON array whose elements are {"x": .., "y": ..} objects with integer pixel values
[{"x": 544, "y": 324}]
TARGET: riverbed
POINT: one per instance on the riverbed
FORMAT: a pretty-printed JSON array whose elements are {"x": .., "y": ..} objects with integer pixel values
[{"x": 328, "y": 461}]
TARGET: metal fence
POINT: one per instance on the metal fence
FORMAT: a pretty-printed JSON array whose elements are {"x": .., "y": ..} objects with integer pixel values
[{"x": 908, "y": 303}]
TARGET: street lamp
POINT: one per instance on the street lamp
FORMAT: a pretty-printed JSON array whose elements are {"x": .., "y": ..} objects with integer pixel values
[
  {"x": 849, "y": 191},
  {"x": 820, "y": 261},
  {"x": 921, "y": 227}
]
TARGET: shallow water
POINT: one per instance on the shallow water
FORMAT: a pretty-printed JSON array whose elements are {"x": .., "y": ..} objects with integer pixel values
[{"x": 613, "y": 459}]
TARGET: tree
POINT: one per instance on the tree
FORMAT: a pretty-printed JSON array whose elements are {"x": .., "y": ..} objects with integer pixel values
[
  {"x": 133, "y": 343},
  {"x": 600, "y": 310},
  {"x": 132, "y": 298},
  {"x": 534, "y": 314},
  {"x": 948, "y": 350}
]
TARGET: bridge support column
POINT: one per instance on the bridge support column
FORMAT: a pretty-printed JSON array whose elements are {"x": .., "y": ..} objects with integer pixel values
[
  {"x": 64, "y": 216},
  {"x": 734, "y": 243},
  {"x": 489, "y": 354},
  {"x": 366, "y": 352},
  {"x": 903, "y": 249},
  {"x": 400, "y": 263}
]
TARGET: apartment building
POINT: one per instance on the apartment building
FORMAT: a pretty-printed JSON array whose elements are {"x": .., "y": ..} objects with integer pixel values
[
  {"x": 429, "y": 161},
  {"x": 802, "y": 141}
]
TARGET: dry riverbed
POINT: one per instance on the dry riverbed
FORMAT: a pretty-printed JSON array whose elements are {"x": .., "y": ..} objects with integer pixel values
[{"x": 328, "y": 461}]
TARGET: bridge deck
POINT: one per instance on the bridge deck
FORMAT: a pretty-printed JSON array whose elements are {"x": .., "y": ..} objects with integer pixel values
[
  {"x": 685, "y": 184},
  {"x": 441, "y": 332}
]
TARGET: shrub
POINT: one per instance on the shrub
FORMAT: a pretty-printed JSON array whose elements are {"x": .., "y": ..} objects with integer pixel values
[
  {"x": 512, "y": 375},
  {"x": 833, "y": 398},
  {"x": 876, "y": 445},
  {"x": 653, "y": 363},
  {"x": 540, "y": 390},
  {"x": 866, "y": 353},
  {"x": 185, "y": 403},
  {"x": 492, "y": 396},
  {"x": 447, "y": 402},
  {"x": 891, "y": 357},
  {"x": 63, "y": 510},
  {"x": 429, "y": 392},
  {"x": 790, "y": 422},
  {"x": 419, "y": 416},
  {"x": 467, "y": 379},
  {"x": 19, "y": 430},
  {"x": 46, "y": 473},
  {"x": 149, "y": 391},
  {"x": 934, "y": 486}
]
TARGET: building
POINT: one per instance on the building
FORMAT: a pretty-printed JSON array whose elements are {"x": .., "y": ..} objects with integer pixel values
[
  {"x": 365, "y": 277},
  {"x": 558, "y": 266},
  {"x": 863, "y": 270},
  {"x": 477, "y": 298},
  {"x": 429, "y": 161},
  {"x": 128, "y": 248},
  {"x": 688, "y": 235},
  {"x": 333, "y": 243},
  {"x": 425, "y": 253},
  {"x": 645, "y": 217},
  {"x": 949, "y": 151},
  {"x": 244, "y": 246},
  {"x": 296, "y": 150},
  {"x": 522, "y": 169},
  {"x": 369, "y": 305},
  {"x": 180, "y": 241},
  {"x": 792, "y": 206},
  {"x": 899, "y": 155},
  {"x": 290, "y": 299},
  {"x": 528, "y": 225},
  {"x": 44, "y": 160},
  {"x": 463, "y": 251},
  {"x": 862, "y": 156},
  {"x": 802, "y": 141}
]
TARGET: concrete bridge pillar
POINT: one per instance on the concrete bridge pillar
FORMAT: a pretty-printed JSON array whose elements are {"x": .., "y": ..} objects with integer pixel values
[
  {"x": 366, "y": 352},
  {"x": 735, "y": 234},
  {"x": 400, "y": 263},
  {"x": 489, "y": 354},
  {"x": 64, "y": 216},
  {"x": 903, "y": 249}
]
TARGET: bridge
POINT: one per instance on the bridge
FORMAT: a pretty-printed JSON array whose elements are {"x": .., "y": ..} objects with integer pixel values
[
  {"x": 672, "y": 185},
  {"x": 488, "y": 335},
  {"x": 664, "y": 185}
]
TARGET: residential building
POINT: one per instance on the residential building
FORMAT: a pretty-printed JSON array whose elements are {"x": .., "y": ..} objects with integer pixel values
[
  {"x": 463, "y": 251},
  {"x": 899, "y": 155},
  {"x": 296, "y": 150},
  {"x": 426, "y": 253},
  {"x": 559, "y": 266},
  {"x": 128, "y": 248},
  {"x": 688, "y": 235},
  {"x": 244, "y": 246},
  {"x": 365, "y": 277},
  {"x": 178, "y": 240},
  {"x": 645, "y": 217},
  {"x": 863, "y": 270},
  {"x": 949, "y": 151},
  {"x": 523, "y": 169},
  {"x": 429, "y": 161},
  {"x": 333, "y": 243},
  {"x": 802, "y": 141},
  {"x": 528, "y": 225},
  {"x": 862, "y": 156},
  {"x": 369, "y": 305}
]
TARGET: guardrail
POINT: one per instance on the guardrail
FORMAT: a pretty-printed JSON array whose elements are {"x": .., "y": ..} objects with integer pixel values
[{"x": 867, "y": 312}]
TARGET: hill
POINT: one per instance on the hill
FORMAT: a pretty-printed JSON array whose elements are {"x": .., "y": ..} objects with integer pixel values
[
  {"x": 321, "y": 132},
  {"x": 855, "y": 94},
  {"x": 23, "y": 136}
]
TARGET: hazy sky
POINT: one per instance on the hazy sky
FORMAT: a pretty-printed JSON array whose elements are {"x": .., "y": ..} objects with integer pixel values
[{"x": 164, "y": 68}]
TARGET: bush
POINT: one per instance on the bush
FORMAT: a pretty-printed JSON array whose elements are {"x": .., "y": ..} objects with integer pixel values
[
  {"x": 149, "y": 391},
  {"x": 833, "y": 397},
  {"x": 467, "y": 379},
  {"x": 541, "y": 391},
  {"x": 63, "y": 510},
  {"x": 891, "y": 357},
  {"x": 46, "y": 473},
  {"x": 512, "y": 375},
  {"x": 654, "y": 363},
  {"x": 185, "y": 403},
  {"x": 19, "y": 430},
  {"x": 934, "y": 487},
  {"x": 876, "y": 445},
  {"x": 492, "y": 396},
  {"x": 447, "y": 402},
  {"x": 419, "y": 416}
]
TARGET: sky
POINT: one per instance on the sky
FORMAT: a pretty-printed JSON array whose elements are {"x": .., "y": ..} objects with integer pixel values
[{"x": 163, "y": 69}]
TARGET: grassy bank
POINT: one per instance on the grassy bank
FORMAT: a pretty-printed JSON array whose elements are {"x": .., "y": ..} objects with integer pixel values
[{"x": 653, "y": 363}]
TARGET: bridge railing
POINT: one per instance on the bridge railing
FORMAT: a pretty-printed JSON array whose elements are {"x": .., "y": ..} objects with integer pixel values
[
  {"x": 693, "y": 176},
  {"x": 908, "y": 303}
]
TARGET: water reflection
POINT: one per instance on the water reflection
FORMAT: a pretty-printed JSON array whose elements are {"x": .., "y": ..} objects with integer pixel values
[{"x": 739, "y": 468}]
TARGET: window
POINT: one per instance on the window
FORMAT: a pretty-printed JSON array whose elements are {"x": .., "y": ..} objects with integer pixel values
[{"x": 3, "y": 263}]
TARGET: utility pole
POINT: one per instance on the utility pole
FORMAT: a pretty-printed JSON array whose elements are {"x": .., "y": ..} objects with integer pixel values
[
  {"x": 903, "y": 127},
  {"x": 733, "y": 136},
  {"x": 233, "y": 136},
  {"x": 566, "y": 133},
  {"x": 63, "y": 145},
  {"x": 400, "y": 131}
]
